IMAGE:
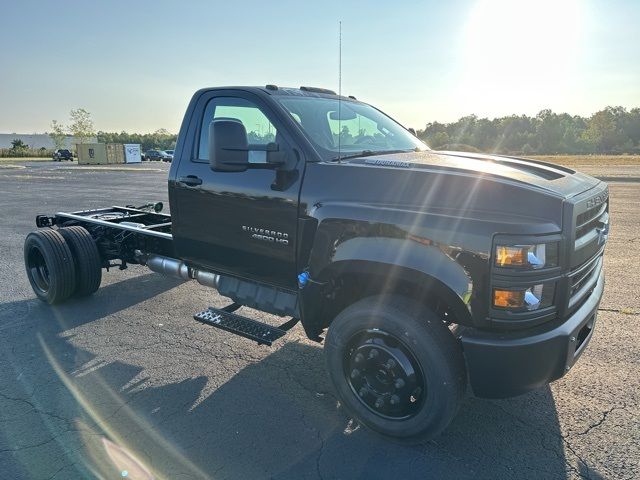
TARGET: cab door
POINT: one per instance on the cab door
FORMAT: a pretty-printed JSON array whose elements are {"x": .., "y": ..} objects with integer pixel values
[{"x": 239, "y": 223}]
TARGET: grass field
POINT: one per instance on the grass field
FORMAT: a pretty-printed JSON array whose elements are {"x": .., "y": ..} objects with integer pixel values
[
  {"x": 24, "y": 159},
  {"x": 590, "y": 160}
]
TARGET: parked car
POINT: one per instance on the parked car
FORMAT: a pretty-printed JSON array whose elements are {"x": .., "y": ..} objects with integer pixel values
[
  {"x": 157, "y": 155},
  {"x": 169, "y": 157},
  {"x": 62, "y": 154}
]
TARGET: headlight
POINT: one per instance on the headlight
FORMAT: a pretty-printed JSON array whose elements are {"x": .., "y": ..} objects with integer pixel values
[
  {"x": 541, "y": 255},
  {"x": 524, "y": 299}
]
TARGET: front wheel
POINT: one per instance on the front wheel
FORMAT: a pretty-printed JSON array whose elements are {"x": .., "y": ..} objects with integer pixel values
[{"x": 396, "y": 367}]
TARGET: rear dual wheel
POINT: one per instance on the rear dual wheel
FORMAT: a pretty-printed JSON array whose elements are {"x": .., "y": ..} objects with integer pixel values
[
  {"x": 61, "y": 263},
  {"x": 396, "y": 367},
  {"x": 50, "y": 266},
  {"x": 87, "y": 259}
]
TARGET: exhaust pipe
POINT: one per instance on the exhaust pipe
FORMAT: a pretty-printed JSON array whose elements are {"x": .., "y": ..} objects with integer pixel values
[
  {"x": 173, "y": 267},
  {"x": 168, "y": 266},
  {"x": 207, "y": 279}
]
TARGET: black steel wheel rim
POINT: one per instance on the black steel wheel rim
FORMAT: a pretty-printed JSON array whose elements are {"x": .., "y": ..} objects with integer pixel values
[
  {"x": 384, "y": 374},
  {"x": 38, "y": 269}
]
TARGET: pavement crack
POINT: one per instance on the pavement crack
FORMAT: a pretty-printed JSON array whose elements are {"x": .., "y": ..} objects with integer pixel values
[
  {"x": 580, "y": 459},
  {"x": 562, "y": 438},
  {"x": 35, "y": 445},
  {"x": 64, "y": 467},
  {"x": 319, "y": 457},
  {"x": 35, "y": 408},
  {"x": 605, "y": 414}
]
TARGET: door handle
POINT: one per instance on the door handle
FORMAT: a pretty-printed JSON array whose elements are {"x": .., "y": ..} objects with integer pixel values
[{"x": 190, "y": 180}]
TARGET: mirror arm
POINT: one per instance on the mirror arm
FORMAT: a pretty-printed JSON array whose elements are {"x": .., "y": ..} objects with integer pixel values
[{"x": 235, "y": 149}]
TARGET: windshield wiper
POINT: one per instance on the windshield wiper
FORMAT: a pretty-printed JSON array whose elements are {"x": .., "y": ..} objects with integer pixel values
[{"x": 369, "y": 153}]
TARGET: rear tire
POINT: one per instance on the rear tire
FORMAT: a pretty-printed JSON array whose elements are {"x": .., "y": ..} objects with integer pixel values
[
  {"x": 50, "y": 266},
  {"x": 396, "y": 367},
  {"x": 86, "y": 258}
]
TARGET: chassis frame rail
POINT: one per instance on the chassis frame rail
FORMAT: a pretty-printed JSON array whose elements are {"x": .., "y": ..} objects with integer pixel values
[{"x": 119, "y": 231}]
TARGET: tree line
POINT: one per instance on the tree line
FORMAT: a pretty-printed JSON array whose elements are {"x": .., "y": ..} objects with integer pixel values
[
  {"x": 613, "y": 130},
  {"x": 81, "y": 126},
  {"x": 160, "y": 139}
]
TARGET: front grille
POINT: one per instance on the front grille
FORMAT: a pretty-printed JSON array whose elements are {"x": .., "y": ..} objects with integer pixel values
[
  {"x": 590, "y": 227},
  {"x": 590, "y": 220},
  {"x": 583, "y": 280},
  {"x": 589, "y": 216}
]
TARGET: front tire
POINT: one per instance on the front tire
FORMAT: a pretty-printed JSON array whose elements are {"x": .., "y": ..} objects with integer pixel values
[
  {"x": 396, "y": 367},
  {"x": 50, "y": 266}
]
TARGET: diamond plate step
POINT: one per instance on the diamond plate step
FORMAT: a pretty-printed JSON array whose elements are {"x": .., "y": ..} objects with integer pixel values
[{"x": 245, "y": 327}]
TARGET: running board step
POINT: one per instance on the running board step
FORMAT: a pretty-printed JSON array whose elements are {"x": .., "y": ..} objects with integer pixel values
[{"x": 245, "y": 327}]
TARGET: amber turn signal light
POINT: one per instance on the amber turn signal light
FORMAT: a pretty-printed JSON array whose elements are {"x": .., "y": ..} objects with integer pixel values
[
  {"x": 508, "y": 298},
  {"x": 507, "y": 256},
  {"x": 532, "y": 298},
  {"x": 532, "y": 257}
]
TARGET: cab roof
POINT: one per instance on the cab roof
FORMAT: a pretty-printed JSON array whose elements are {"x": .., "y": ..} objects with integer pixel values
[{"x": 289, "y": 91}]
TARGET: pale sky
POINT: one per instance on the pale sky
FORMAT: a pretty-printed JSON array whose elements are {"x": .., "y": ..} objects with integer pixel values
[{"x": 135, "y": 64}]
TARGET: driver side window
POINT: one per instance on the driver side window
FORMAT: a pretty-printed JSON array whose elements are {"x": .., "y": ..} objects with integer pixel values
[{"x": 260, "y": 131}]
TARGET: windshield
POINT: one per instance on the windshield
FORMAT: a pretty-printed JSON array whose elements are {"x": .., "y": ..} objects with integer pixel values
[{"x": 352, "y": 127}]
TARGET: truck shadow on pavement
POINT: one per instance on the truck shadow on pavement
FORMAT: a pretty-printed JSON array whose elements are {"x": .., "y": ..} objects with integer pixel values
[{"x": 274, "y": 418}]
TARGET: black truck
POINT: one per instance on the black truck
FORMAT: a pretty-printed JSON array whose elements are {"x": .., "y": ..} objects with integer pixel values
[{"x": 422, "y": 271}]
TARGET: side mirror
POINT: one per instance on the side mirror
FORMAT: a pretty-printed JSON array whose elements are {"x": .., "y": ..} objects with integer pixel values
[
  {"x": 275, "y": 156},
  {"x": 266, "y": 155},
  {"x": 228, "y": 147},
  {"x": 413, "y": 131}
]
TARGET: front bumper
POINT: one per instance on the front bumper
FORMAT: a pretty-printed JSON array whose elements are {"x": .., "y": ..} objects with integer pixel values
[{"x": 507, "y": 364}]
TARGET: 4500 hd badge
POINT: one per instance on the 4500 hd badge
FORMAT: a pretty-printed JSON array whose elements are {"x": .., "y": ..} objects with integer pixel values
[{"x": 267, "y": 235}]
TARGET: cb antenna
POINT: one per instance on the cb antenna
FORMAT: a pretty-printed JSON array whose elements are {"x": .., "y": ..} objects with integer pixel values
[{"x": 339, "y": 89}]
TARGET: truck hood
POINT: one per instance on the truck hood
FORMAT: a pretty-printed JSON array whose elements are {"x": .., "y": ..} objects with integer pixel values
[{"x": 552, "y": 178}]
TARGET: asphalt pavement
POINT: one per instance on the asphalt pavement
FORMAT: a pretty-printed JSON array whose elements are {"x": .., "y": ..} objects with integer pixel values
[{"x": 125, "y": 384}]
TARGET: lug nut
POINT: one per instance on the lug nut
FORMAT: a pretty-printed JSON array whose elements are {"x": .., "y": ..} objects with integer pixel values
[
  {"x": 399, "y": 383},
  {"x": 373, "y": 354},
  {"x": 362, "y": 392},
  {"x": 355, "y": 373},
  {"x": 395, "y": 400},
  {"x": 415, "y": 395},
  {"x": 391, "y": 363},
  {"x": 380, "y": 402},
  {"x": 359, "y": 358}
]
